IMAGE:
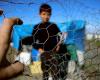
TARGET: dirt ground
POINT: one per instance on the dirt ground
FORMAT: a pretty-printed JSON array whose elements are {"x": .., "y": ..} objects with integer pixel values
[{"x": 91, "y": 68}]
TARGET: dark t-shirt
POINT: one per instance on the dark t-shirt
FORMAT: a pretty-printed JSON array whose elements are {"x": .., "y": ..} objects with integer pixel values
[{"x": 45, "y": 36}]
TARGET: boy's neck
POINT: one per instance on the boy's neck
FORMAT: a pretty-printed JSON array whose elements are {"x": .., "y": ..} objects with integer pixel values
[{"x": 45, "y": 22}]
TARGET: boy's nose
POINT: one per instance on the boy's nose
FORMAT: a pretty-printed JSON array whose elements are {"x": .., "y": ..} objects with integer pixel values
[{"x": 46, "y": 16}]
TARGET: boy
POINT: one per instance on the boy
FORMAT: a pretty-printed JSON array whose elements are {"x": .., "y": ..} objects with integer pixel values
[
  {"x": 49, "y": 45},
  {"x": 45, "y": 13}
]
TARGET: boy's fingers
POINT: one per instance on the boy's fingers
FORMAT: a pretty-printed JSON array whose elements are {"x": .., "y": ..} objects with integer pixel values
[{"x": 1, "y": 12}]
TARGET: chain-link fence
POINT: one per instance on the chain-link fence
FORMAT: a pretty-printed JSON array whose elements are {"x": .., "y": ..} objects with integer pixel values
[{"x": 70, "y": 10}]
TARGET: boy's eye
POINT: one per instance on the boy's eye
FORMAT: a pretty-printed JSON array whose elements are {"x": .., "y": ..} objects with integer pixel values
[
  {"x": 43, "y": 14},
  {"x": 46, "y": 13}
]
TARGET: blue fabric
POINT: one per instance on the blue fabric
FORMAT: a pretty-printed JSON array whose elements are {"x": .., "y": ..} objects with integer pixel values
[
  {"x": 76, "y": 34},
  {"x": 20, "y": 32},
  {"x": 35, "y": 55}
]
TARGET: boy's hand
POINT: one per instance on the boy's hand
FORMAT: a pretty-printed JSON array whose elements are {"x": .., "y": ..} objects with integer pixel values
[{"x": 41, "y": 50}]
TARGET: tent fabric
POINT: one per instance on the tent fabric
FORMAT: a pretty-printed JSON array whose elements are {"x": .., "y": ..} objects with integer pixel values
[
  {"x": 20, "y": 32},
  {"x": 76, "y": 33}
]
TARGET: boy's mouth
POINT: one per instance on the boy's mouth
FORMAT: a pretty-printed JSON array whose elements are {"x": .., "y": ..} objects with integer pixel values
[{"x": 46, "y": 20}]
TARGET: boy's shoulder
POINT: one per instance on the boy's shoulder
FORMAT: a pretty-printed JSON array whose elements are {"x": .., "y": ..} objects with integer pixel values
[
  {"x": 53, "y": 23},
  {"x": 36, "y": 25}
]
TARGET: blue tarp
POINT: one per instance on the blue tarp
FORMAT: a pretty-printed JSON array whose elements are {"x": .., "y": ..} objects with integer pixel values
[
  {"x": 20, "y": 32},
  {"x": 75, "y": 29},
  {"x": 76, "y": 33}
]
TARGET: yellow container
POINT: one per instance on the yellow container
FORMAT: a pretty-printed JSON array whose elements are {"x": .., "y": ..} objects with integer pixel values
[{"x": 36, "y": 67}]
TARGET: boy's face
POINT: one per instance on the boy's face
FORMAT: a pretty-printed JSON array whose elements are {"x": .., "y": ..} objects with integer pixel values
[{"x": 45, "y": 16}]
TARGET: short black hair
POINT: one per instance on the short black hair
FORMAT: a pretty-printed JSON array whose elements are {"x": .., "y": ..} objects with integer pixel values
[{"x": 45, "y": 7}]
